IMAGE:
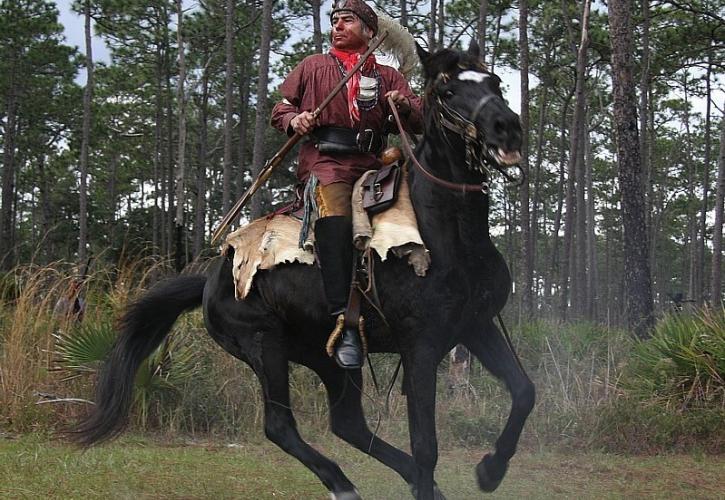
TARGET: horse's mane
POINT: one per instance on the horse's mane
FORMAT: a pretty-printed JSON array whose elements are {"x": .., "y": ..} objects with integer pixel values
[{"x": 451, "y": 61}]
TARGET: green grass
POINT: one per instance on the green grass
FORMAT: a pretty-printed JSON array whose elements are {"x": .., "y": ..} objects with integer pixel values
[{"x": 34, "y": 467}]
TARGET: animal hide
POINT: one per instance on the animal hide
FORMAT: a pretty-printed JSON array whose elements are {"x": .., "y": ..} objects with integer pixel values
[
  {"x": 395, "y": 229},
  {"x": 270, "y": 241},
  {"x": 262, "y": 245}
]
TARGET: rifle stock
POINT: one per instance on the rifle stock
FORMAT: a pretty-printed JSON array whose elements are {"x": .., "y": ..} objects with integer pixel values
[{"x": 273, "y": 162}]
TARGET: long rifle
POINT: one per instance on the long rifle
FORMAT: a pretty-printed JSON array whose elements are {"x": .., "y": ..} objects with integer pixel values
[{"x": 273, "y": 162}]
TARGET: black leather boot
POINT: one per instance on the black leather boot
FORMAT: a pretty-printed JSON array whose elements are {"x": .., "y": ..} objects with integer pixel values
[{"x": 333, "y": 243}]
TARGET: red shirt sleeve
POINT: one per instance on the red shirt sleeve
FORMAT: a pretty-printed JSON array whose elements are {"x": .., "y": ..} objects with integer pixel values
[{"x": 292, "y": 90}]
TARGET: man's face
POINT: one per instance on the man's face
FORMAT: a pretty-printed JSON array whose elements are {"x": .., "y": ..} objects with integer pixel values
[{"x": 348, "y": 32}]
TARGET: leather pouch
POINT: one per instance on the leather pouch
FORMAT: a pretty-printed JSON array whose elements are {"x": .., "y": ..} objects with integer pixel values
[{"x": 380, "y": 190}]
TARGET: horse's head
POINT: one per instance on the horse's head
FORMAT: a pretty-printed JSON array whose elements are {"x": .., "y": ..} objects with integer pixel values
[{"x": 463, "y": 97}]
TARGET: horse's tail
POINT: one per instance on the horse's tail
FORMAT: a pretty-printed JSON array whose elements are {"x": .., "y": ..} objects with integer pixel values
[{"x": 143, "y": 327}]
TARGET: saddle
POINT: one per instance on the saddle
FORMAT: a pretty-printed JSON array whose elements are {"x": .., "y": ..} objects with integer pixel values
[{"x": 274, "y": 240}]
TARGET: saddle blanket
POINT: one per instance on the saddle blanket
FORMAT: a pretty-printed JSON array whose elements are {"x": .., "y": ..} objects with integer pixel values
[{"x": 274, "y": 240}]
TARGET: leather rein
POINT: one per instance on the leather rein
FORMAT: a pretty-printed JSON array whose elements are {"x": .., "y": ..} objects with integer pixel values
[
  {"x": 454, "y": 186},
  {"x": 474, "y": 140}
]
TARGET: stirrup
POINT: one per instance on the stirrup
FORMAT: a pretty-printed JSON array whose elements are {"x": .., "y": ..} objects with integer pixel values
[{"x": 337, "y": 334}]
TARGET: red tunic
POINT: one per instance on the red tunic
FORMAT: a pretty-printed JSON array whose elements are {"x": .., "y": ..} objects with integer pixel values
[{"x": 304, "y": 90}]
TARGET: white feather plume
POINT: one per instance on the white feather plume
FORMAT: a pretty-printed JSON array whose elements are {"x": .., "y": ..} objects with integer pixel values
[{"x": 399, "y": 45}]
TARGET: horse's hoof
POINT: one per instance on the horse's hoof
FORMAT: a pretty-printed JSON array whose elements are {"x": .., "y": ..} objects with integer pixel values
[
  {"x": 489, "y": 475},
  {"x": 437, "y": 493},
  {"x": 346, "y": 495}
]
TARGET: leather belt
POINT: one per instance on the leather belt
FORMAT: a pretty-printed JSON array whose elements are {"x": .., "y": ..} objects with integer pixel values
[{"x": 347, "y": 140}]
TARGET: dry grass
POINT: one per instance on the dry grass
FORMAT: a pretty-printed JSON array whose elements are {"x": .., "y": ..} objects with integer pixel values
[
  {"x": 29, "y": 295},
  {"x": 576, "y": 369}
]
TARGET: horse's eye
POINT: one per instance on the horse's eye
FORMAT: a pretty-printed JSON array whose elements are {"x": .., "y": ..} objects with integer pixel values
[{"x": 448, "y": 94}]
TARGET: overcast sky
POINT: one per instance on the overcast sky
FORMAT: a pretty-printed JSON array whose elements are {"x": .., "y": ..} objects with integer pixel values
[
  {"x": 73, "y": 24},
  {"x": 74, "y": 34}
]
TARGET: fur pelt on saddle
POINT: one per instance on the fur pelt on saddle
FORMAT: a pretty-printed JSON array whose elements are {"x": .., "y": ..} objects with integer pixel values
[{"x": 273, "y": 240}]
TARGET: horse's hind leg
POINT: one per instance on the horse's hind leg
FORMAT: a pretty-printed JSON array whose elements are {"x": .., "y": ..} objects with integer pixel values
[
  {"x": 491, "y": 348},
  {"x": 347, "y": 419},
  {"x": 279, "y": 423}
]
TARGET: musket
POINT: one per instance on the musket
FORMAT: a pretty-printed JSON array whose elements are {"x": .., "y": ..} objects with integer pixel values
[{"x": 276, "y": 160}]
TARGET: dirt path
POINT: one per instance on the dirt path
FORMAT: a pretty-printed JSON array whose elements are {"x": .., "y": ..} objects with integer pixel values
[{"x": 31, "y": 467}]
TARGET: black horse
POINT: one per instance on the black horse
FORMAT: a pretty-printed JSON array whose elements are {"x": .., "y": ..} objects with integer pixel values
[{"x": 284, "y": 318}]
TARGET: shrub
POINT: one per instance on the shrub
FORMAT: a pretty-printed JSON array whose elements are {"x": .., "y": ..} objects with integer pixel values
[
  {"x": 683, "y": 364},
  {"x": 83, "y": 349},
  {"x": 633, "y": 425}
]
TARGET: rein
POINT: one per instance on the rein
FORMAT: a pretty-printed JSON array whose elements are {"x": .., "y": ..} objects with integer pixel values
[
  {"x": 473, "y": 137},
  {"x": 454, "y": 186}
]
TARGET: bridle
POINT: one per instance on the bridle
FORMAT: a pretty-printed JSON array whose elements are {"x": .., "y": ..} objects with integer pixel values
[
  {"x": 454, "y": 186},
  {"x": 477, "y": 155}
]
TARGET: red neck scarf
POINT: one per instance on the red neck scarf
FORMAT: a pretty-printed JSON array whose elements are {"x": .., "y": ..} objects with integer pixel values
[{"x": 348, "y": 60}]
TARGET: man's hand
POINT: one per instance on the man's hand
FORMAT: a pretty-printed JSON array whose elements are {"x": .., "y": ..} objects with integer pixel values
[
  {"x": 303, "y": 123},
  {"x": 401, "y": 102}
]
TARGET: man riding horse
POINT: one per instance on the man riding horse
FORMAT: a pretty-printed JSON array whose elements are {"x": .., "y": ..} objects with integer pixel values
[
  {"x": 469, "y": 131},
  {"x": 346, "y": 139}
]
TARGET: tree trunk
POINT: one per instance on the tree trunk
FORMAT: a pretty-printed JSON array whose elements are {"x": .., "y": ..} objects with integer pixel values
[
  {"x": 316, "y": 25},
  {"x": 577, "y": 161},
  {"x": 573, "y": 231},
  {"x": 432, "y": 27},
  {"x": 112, "y": 193},
  {"x": 243, "y": 118},
  {"x": 527, "y": 263},
  {"x": 85, "y": 142},
  {"x": 481, "y": 26},
  {"x": 644, "y": 83},
  {"x": 541, "y": 121},
  {"x": 228, "y": 106},
  {"x": 441, "y": 23},
  {"x": 496, "y": 39},
  {"x": 404, "y": 13},
  {"x": 637, "y": 281},
  {"x": 554, "y": 274},
  {"x": 716, "y": 279},
  {"x": 260, "y": 124},
  {"x": 592, "y": 276},
  {"x": 46, "y": 211},
  {"x": 158, "y": 109},
  {"x": 705, "y": 182},
  {"x": 580, "y": 290},
  {"x": 7, "y": 244},
  {"x": 179, "y": 253},
  {"x": 536, "y": 204},
  {"x": 691, "y": 200},
  {"x": 169, "y": 229},
  {"x": 200, "y": 211}
]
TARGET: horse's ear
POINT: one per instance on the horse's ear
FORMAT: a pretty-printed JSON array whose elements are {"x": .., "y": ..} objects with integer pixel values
[
  {"x": 473, "y": 49},
  {"x": 423, "y": 54}
]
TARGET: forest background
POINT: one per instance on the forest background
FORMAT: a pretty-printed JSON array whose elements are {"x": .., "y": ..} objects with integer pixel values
[{"x": 121, "y": 178}]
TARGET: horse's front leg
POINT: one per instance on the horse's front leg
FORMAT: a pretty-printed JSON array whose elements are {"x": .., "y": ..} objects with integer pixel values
[
  {"x": 420, "y": 389},
  {"x": 495, "y": 353}
]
